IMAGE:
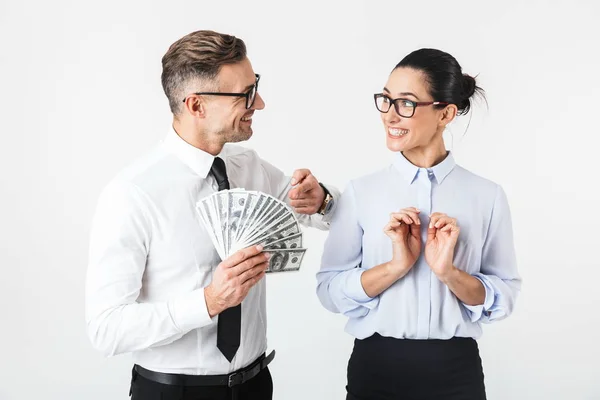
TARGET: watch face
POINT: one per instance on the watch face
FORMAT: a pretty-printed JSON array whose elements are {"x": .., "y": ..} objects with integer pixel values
[{"x": 329, "y": 205}]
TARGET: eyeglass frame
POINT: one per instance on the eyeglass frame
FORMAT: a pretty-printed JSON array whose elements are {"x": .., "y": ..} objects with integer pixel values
[
  {"x": 415, "y": 104},
  {"x": 246, "y": 95}
]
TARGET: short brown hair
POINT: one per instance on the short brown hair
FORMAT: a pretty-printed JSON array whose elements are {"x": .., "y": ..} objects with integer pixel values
[{"x": 197, "y": 56}]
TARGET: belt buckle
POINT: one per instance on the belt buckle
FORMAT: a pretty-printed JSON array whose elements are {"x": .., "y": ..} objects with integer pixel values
[{"x": 235, "y": 379}]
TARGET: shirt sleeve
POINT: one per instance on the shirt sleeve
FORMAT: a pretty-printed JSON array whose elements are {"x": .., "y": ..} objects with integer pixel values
[
  {"x": 120, "y": 238},
  {"x": 498, "y": 272},
  {"x": 339, "y": 286},
  {"x": 281, "y": 186}
]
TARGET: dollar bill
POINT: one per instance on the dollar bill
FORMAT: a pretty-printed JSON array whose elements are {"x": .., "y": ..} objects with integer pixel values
[
  {"x": 222, "y": 207},
  {"x": 272, "y": 223},
  {"x": 268, "y": 205},
  {"x": 283, "y": 260},
  {"x": 236, "y": 200},
  {"x": 238, "y": 218},
  {"x": 289, "y": 243},
  {"x": 266, "y": 231},
  {"x": 207, "y": 216},
  {"x": 254, "y": 204},
  {"x": 290, "y": 229}
]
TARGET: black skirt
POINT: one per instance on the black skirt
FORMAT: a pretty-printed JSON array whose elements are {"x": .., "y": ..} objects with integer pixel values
[{"x": 383, "y": 368}]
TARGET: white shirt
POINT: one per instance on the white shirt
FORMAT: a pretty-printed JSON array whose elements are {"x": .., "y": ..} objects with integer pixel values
[
  {"x": 150, "y": 259},
  {"x": 419, "y": 305}
]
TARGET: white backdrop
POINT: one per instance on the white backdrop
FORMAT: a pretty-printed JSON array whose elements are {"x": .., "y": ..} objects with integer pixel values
[{"x": 80, "y": 97}]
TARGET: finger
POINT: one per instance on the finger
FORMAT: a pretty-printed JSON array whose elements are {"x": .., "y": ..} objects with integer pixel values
[
  {"x": 391, "y": 226},
  {"x": 452, "y": 222},
  {"x": 415, "y": 230},
  {"x": 434, "y": 218},
  {"x": 410, "y": 214},
  {"x": 299, "y": 175},
  {"x": 397, "y": 227},
  {"x": 402, "y": 217},
  {"x": 253, "y": 272},
  {"x": 246, "y": 286},
  {"x": 306, "y": 210},
  {"x": 304, "y": 190},
  {"x": 306, "y": 186},
  {"x": 443, "y": 221},
  {"x": 240, "y": 256},
  {"x": 414, "y": 209},
  {"x": 450, "y": 228},
  {"x": 293, "y": 193},
  {"x": 311, "y": 203},
  {"x": 395, "y": 223},
  {"x": 431, "y": 233},
  {"x": 431, "y": 229},
  {"x": 414, "y": 216},
  {"x": 440, "y": 222},
  {"x": 250, "y": 263}
]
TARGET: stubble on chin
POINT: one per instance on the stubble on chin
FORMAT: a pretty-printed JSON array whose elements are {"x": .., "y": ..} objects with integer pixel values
[{"x": 238, "y": 136}]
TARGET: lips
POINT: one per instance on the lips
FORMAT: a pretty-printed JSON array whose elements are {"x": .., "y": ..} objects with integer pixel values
[
  {"x": 397, "y": 132},
  {"x": 247, "y": 118}
]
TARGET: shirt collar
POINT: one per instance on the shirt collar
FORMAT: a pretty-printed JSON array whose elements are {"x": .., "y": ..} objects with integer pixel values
[
  {"x": 409, "y": 171},
  {"x": 198, "y": 160}
]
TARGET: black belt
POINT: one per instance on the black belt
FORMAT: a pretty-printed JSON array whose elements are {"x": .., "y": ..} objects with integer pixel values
[{"x": 232, "y": 379}]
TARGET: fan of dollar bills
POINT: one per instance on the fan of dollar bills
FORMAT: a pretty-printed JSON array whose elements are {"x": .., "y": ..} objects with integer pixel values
[{"x": 238, "y": 218}]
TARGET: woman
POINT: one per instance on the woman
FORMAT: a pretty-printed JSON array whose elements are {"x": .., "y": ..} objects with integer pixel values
[{"x": 419, "y": 254}]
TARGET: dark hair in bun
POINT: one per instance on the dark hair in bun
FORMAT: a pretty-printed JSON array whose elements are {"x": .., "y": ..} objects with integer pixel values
[{"x": 445, "y": 78}]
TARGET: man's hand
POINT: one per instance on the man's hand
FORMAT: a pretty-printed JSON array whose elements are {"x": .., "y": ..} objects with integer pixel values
[
  {"x": 306, "y": 195},
  {"x": 234, "y": 277}
]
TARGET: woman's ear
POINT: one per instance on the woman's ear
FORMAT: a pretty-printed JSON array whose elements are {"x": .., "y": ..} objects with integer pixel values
[{"x": 448, "y": 114}]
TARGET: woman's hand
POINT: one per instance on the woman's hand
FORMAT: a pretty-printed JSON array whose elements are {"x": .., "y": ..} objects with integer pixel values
[
  {"x": 404, "y": 229},
  {"x": 442, "y": 235}
]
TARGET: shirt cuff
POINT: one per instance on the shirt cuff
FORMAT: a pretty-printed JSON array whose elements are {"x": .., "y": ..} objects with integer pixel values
[
  {"x": 190, "y": 311},
  {"x": 476, "y": 312},
  {"x": 354, "y": 288}
]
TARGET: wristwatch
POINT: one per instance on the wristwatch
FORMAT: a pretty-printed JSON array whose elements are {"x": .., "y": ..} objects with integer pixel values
[{"x": 327, "y": 202}]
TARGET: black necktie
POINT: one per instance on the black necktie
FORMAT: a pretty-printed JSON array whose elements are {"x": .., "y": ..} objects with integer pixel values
[{"x": 230, "y": 320}]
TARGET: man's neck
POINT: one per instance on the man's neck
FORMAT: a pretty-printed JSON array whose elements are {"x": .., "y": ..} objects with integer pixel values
[{"x": 193, "y": 136}]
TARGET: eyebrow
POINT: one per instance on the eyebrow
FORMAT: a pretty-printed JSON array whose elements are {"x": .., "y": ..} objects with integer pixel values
[
  {"x": 402, "y": 93},
  {"x": 244, "y": 90},
  {"x": 249, "y": 87}
]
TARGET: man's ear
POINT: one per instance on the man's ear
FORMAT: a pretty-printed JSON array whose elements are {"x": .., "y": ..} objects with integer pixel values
[{"x": 195, "y": 105}]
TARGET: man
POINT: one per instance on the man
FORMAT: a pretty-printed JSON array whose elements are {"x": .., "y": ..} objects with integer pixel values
[{"x": 156, "y": 286}]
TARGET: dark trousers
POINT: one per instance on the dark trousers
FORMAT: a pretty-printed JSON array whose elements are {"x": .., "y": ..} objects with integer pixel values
[
  {"x": 383, "y": 368},
  {"x": 258, "y": 388}
]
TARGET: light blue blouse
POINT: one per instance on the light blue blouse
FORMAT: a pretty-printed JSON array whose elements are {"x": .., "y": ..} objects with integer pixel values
[{"x": 419, "y": 306}]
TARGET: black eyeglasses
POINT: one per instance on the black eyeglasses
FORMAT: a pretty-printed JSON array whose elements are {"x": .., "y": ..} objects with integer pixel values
[
  {"x": 250, "y": 95},
  {"x": 404, "y": 107}
]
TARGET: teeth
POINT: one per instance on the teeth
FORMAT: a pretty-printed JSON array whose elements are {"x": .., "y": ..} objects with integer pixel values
[
  {"x": 247, "y": 118},
  {"x": 397, "y": 131}
]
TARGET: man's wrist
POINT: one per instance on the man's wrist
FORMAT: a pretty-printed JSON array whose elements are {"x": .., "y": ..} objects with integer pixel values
[
  {"x": 326, "y": 200},
  {"x": 211, "y": 305}
]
